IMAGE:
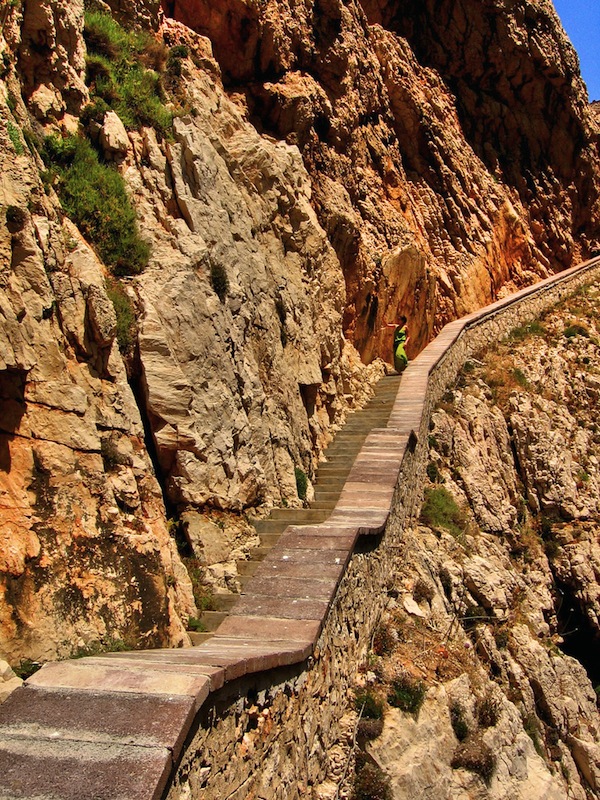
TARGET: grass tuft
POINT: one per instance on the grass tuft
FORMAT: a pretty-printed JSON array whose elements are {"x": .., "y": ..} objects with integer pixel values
[{"x": 441, "y": 511}]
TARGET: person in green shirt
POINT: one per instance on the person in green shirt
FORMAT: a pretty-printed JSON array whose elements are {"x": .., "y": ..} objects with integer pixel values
[{"x": 400, "y": 340}]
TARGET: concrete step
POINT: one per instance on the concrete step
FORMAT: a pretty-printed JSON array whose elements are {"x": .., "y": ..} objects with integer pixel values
[
  {"x": 323, "y": 496},
  {"x": 268, "y": 540},
  {"x": 212, "y": 619},
  {"x": 198, "y": 638},
  {"x": 245, "y": 567},
  {"x": 267, "y": 526},
  {"x": 225, "y": 602},
  {"x": 293, "y": 514}
]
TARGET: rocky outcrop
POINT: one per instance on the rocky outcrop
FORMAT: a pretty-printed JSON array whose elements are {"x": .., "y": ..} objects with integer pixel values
[
  {"x": 495, "y": 608},
  {"x": 87, "y": 561},
  {"x": 429, "y": 141}
]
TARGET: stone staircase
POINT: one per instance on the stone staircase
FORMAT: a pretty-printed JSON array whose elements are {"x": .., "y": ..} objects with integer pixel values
[{"x": 331, "y": 476}]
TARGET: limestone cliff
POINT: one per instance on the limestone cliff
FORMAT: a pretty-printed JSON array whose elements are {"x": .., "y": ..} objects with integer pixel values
[
  {"x": 495, "y": 612},
  {"x": 313, "y": 170},
  {"x": 450, "y": 145}
]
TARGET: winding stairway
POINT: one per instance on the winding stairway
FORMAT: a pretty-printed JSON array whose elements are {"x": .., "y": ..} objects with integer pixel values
[{"x": 331, "y": 476}]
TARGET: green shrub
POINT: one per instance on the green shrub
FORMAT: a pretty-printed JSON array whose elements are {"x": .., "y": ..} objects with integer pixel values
[
  {"x": 368, "y": 704},
  {"x": 15, "y": 138},
  {"x": 94, "y": 111},
  {"x": 301, "y": 482},
  {"x": 458, "y": 722},
  {"x": 125, "y": 315},
  {"x": 116, "y": 72},
  {"x": 440, "y": 511},
  {"x": 94, "y": 196},
  {"x": 406, "y": 693},
  {"x": 175, "y": 59},
  {"x": 105, "y": 36},
  {"x": 521, "y": 332},
  {"x": 576, "y": 330}
]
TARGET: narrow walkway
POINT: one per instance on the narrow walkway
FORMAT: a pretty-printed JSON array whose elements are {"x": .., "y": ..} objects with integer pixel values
[{"x": 331, "y": 476}]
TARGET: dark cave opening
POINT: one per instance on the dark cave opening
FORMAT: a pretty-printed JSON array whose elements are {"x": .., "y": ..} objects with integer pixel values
[{"x": 580, "y": 639}]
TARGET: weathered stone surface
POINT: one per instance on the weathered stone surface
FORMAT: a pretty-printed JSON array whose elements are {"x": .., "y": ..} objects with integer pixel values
[
  {"x": 78, "y": 568},
  {"x": 113, "y": 137}
]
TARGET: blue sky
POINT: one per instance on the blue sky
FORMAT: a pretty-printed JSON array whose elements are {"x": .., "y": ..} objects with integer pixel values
[{"x": 581, "y": 20}]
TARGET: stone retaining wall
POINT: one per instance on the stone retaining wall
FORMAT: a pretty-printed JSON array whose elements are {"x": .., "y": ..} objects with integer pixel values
[{"x": 258, "y": 710}]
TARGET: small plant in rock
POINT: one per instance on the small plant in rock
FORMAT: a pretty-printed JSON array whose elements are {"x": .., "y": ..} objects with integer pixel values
[
  {"x": 99, "y": 647},
  {"x": 219, "y": 280},
  {"x": 433, "y": 472},
  {"x": 195, "y": 624},
  {"x": 16, "y": 217},
  {"x": 384, "y": 639},
  {"x": 520, "y": 378},
  {"x": 407, "y": 694},
  {"x": 474, "y": 755},
  {"x": 203, "y": 594},
  {"x": 441, "y": 511},
  {"x": 487, "y": 711},
  {"x": 575, "y": 329},
  {"x": 473, "y": 616},
  {"x": 301, "y": 482},
  {"x": 26, "y": 668},
  {"x": 369, "y": 729},
  {"x": 368, "y": 704},
  {"x": 423, "y": 590},
  {"x": 370, "y": 782},
  {"x": 521, "y": 332},
  {"x": 531, "y": 728},
  {"x": 459, "y": 724},
  {"x": 175, "y": 60},
  {"x": 15, "y": 138},
  {"x": 125, "y": 315}
]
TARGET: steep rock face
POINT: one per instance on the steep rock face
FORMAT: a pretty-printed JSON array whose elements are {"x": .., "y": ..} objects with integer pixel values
[
  {"x": 496, "y": 608},
  {"x": 244, "y": 365},
  {"x": 240, "y": 365},
  {"x": 87, "y": 559},
  {"x": 430, "y": 136}
]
